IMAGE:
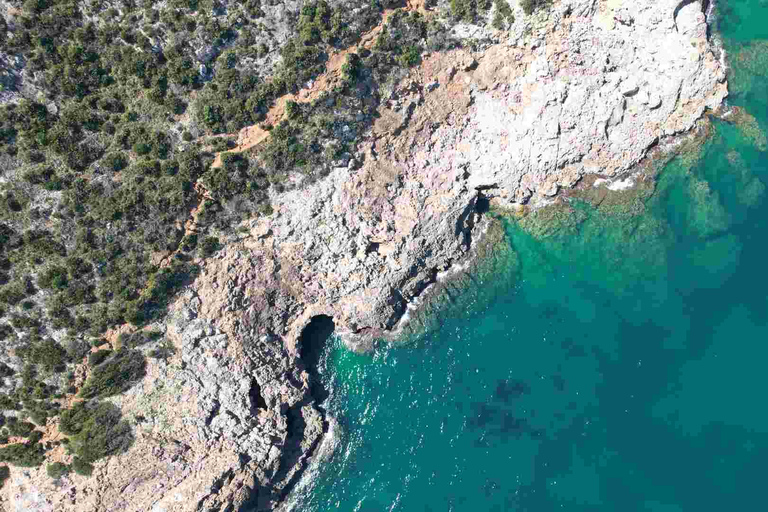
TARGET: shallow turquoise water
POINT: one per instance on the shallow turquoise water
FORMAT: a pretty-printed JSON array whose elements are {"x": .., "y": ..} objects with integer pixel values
[{"x": 621, "y": 367}]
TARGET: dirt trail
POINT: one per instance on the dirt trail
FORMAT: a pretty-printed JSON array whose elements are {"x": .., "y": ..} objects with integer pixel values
[
  {"x": 190, "y": 226},
  {"x": 251, "y": 136}
]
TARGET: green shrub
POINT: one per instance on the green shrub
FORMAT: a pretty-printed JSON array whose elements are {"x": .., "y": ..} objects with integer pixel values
[
  {"x": 95, "y": 430},
  {"x": 5, "y": 474},
  {"x": 29, "y": 454},
  {"x": 46, "y": 352},
  {"x": 410, "y": 56},
  {"x": 40, "y": 411},
  {"x": 115, "y": 375},
  {"x": 98, "y": 357},
  {"x": 531, "y": 5},
  {"x": 76, "y": 349},
  {"x": 7, "y": 403},
  {"x": 350, "y": 70},
  {"x": 82, "y": 467},
  {"x": 503, "y": 12},
  {"x": 57, "y": 470},
  {"x": 163, "y": 351},
  {"x": 116, "y": 161},
  {"x": 161, "y": 287},
  {"x": 53, "y": 277},
  {"x": 18, "y": 428},
  {"x": 12, "y": 293},
  {"x": 137, "y": 338},
  {"x": 142, "y": 148}
]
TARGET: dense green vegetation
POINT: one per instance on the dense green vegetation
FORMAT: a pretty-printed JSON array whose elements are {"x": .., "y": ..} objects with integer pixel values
[
  {"x": 470, "y": 10},
  {"x": 95, "y": 430},
  {"x": 57, "y": 470},
  {"x": 531, "y": 5},
  {"x": 28, "y": 454},
  {"x": 314, "y": 137},
  {"x": 101, "y": 176},
  {"x": 475, "y": 11},
  {"x": 115, "y": 375}
]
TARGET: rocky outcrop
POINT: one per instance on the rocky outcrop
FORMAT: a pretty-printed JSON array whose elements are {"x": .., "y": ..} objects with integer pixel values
[
  {"x": 229, "y": 422},
  {"x": 591, "y": 96}
]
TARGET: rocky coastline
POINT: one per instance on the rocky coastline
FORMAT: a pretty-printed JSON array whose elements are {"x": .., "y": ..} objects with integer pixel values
[{"x": 582, "y": 91}]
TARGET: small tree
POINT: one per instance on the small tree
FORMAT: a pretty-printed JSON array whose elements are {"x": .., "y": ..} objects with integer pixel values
[
  {"x": 57, "y": 470},
  {"x": 82, "y": 467}
]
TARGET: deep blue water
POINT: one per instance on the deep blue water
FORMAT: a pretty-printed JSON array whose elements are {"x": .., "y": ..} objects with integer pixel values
[{"x": 618, "y": 365}]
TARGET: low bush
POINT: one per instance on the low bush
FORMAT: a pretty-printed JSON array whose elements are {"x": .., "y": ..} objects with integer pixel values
[
  {"x": 163, "y": 351},
  {"x": 469, "y": 10},
  {"x": 137, "y": 338},
  {"x": 57, "y": 470},
  {"x": 40, "y": 410},
  {"x": 503, "y": 13},
  {"x": 29, "y": 454},
  {"x": 17, "y": 428},
  {"x": 98, "y": 357},
  {"x": 115, "y": 375},
  {"x": 46, "y": 352},
  {"x": 82, "y": 467},
  {"x": 95, "y": 430},
  {"x": 529, "y": 6},
  {"x": 116, "y": 161},
  {"x": 7, "y": 403}
]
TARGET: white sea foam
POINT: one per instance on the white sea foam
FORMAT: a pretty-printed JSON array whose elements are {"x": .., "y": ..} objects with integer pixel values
[
  {"x": 621, "y": 184},
  {"x": 330, "y": 443},
  {"x": 614, "y": 185}
]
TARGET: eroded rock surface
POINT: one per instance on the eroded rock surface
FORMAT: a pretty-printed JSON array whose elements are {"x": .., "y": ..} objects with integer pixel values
[{"x": 229, "y": 422}]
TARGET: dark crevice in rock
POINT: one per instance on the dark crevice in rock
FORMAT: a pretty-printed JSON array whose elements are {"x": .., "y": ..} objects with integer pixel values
[
  {"x": 400, "y": 304},
  {"x": 312, "y": 344},
  {"x": 302, "y": 437},
  {"x": 213, "y": 414},
  {"x": 292, "y": 450},
  {"x": 406, "y": 120},
  {"x": 482, "y": 203},
  {"x": 462, "y": 223},
  {"x": 372, "y": 247},
  {"x": 255, "y": 397},
  {"x": 216, "y": 487}
]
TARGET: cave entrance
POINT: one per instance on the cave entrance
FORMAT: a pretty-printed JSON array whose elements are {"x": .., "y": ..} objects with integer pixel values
[{"x": 312, "y": 342}]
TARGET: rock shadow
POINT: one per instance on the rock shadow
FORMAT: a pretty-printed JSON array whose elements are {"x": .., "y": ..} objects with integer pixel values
[
  {"x": 312, "y": 344},
  {"x": 305, "y": 420}
]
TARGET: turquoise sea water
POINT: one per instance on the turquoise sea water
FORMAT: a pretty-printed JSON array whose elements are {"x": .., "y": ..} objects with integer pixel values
[{"x": 619, "y": 365}]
